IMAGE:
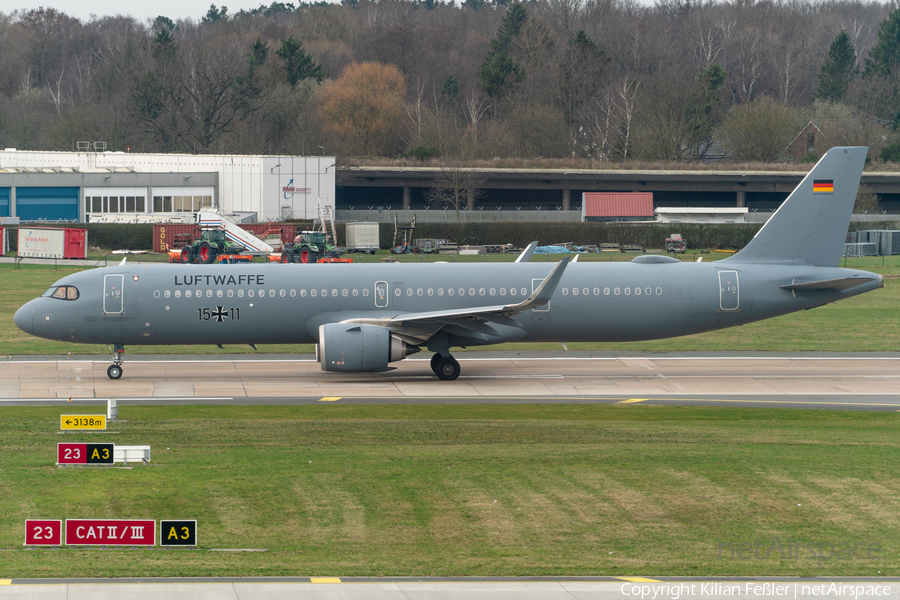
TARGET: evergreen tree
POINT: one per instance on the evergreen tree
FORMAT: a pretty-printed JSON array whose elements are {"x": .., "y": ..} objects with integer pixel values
[
  {"x": 161, "y": 22},
  {"x": 580, "y": 74},
  {"x": 885, "y": 54},
  {"x": 163, "y": 45},
  {"x": 838, "y": 70},
  {"x": 450, "y": 87},
  {"x": 215, "y": 14},
  {"x": 499, "y": 70},
  {"x": 297, "y": 64},
  {"x": 706, "y": 110},
  {"x": 259, "y": 51}
]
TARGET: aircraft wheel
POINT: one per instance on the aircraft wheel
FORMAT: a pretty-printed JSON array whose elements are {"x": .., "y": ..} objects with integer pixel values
[
  {"x": 447, "y": 368},
  {"x": 114, "y": 372},
  {"x": 434, "y": 362}
]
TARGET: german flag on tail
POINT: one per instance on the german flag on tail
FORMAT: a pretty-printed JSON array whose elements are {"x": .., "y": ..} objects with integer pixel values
[{"x": 823, "y": 186}]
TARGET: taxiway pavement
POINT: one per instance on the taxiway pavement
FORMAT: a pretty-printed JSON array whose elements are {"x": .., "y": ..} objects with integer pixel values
[
  {"x": 802, "y": 380},
  {"x": 496, "y": 588}
]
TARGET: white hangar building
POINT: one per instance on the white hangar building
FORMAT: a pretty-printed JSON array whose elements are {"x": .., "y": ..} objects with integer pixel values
[{"x": 83, "y": 186}]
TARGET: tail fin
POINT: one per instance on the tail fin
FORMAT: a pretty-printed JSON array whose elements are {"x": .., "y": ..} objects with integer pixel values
[{"x": 811, "y": 226}]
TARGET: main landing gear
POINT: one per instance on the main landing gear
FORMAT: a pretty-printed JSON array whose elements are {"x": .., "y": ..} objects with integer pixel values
[
  {"x": 445, "y": 367},
  {"x": 115, "y": 370}
]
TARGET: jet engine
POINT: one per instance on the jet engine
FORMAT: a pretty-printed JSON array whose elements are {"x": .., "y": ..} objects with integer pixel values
[{"x": 354, "y": 348}]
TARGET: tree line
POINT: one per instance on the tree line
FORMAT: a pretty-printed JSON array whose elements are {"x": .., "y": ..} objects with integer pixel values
[{"x": 606, "y": 80}]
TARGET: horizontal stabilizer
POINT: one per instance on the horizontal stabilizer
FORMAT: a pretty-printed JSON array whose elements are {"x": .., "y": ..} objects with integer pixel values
[{"x": 844, "y": 283}]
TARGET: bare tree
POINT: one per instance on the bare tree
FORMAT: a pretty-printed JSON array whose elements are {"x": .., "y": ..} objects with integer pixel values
[
  {"x": 867, "y": 201},
  {"x": 455, "y": 185}
]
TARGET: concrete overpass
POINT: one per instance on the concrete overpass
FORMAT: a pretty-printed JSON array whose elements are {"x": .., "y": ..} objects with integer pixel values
[{"x": 551, "y": 189}]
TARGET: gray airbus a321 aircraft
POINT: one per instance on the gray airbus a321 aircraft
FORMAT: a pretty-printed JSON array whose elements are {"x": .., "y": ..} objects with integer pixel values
[{"x": 363, "y": 317}]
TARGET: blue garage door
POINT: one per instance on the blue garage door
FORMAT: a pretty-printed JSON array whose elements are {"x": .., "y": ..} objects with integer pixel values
[
  {"x": 4, "y": 202},
  {"x": 48, "y": 203}
]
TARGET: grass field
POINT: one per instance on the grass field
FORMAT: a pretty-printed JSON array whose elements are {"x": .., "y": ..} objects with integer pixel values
[
  {"x": 466, "y": 490},
  {"x": 864, "y": 323}
]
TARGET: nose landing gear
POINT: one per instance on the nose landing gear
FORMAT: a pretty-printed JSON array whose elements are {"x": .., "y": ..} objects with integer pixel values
[{"x": 115, "y": 370}]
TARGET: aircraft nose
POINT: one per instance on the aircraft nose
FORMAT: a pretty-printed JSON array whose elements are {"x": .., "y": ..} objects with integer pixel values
[{"x": 24, "y": 318}]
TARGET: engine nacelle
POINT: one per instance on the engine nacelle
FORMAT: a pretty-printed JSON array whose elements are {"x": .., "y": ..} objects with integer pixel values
[{"x": 354, "y": 348}]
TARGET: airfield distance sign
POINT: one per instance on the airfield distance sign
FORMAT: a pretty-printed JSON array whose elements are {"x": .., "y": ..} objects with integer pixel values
[{"x": 82, "y": 421}]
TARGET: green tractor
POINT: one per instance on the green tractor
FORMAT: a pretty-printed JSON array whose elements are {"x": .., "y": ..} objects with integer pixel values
[
  {"x": 208, "y": 247},
  {"x": 308, "y": 247}
]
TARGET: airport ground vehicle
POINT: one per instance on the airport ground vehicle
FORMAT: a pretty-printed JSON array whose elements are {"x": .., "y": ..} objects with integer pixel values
[
  {"x": 221, "y": 237},
  {"x": 308, "y": 247},
  {"x": 676, "y": 244}
]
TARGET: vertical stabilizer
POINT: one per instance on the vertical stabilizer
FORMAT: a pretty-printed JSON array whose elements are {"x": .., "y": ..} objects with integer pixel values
[{"x": 810, "y": 228}]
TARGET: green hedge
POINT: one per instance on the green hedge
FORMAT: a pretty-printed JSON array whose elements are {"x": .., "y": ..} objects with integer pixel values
[{"x": 649, "y": 235}]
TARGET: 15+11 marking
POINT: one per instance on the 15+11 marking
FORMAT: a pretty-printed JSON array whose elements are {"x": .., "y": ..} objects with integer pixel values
[{"x": 219, "y": 314}]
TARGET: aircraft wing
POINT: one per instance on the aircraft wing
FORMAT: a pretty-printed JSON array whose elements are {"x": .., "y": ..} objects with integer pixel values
[{"x": 473, "y": 322}]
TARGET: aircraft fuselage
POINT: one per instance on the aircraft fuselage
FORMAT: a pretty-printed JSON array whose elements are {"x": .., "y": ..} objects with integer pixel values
[{"x": 285, "y": 304}]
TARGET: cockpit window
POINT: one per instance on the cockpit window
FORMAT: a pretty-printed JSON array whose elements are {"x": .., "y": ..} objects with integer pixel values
[{"x": 63, "y": 292}]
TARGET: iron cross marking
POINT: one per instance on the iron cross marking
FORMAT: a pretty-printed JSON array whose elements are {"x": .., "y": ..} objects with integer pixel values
[{"x": 220, "y": 313}]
